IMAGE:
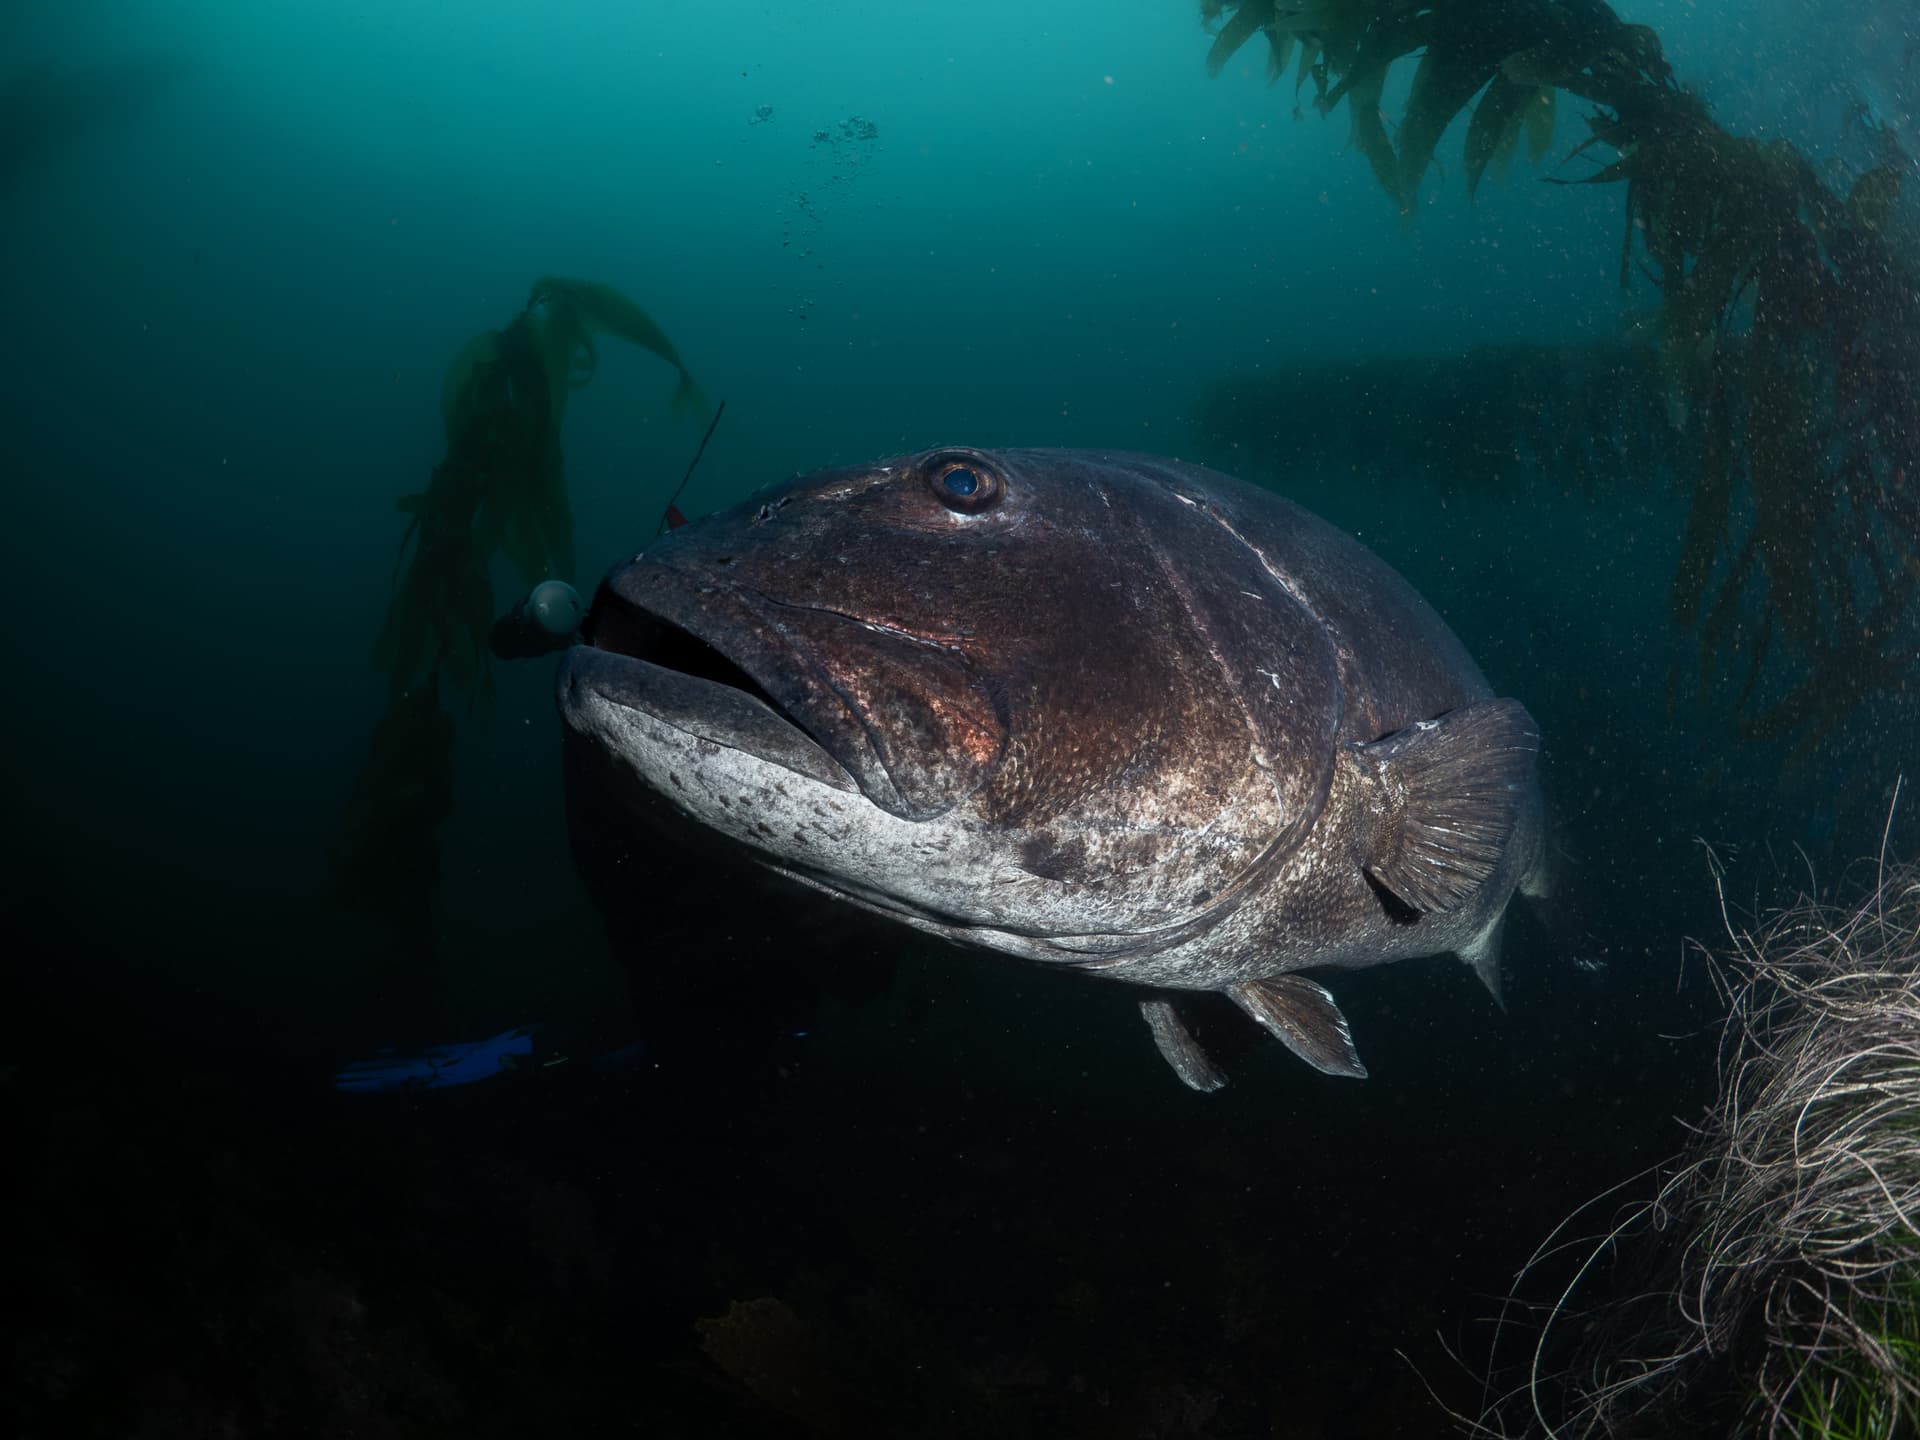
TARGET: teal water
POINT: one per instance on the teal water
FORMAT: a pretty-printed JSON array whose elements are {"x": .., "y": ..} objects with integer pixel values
[{"x": 242, "y": 243}]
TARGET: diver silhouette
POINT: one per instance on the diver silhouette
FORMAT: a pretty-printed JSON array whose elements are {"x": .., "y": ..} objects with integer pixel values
[
  {"x": 727, "y": 961},
  {"x": 546, "y": 620}
]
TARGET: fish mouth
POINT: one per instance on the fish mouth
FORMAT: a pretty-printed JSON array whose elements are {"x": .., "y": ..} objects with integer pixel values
[
  {"x": 902, "y": 715},
  {"x": 624, "y": 629},
  {"x": 707, "y": 671}
]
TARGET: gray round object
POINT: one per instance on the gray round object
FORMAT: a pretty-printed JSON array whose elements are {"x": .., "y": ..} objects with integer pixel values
[{"x": 556, "y": 605}]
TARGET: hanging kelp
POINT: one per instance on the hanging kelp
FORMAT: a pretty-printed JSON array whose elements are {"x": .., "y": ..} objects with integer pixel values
[
  {"x": 1790, "y": 322},
  {"x": 500, "y": 489},
  {"x": 386, "y": 861}
]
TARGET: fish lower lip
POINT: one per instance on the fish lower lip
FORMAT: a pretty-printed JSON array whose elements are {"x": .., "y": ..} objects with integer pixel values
[{"x": 713, "y": 710}]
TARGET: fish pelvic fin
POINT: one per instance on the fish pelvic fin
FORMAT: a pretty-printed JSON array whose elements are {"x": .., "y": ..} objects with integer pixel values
[
  {"x": 1454, "y": 791},
  {"x": 1178, "y": 1047},
  {"x": 1303, "y": 1017}
]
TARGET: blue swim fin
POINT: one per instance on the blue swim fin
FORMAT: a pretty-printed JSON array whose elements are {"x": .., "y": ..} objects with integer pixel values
[{"x": 441, "y": 1067}]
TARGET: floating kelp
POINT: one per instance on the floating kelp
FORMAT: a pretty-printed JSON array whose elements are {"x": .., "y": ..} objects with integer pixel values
[
  {"x": 1496, "y": 419},
  {"x": 1804, "y": 435},
  {"x": 1772, "y": 1286}
]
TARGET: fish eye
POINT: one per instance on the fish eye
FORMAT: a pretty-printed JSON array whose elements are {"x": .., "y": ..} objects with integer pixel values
[{"x": 966, "y": 488}]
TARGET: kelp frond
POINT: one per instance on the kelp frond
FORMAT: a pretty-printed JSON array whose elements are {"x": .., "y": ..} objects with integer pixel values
[
  {"x": 502, "y": 487},
  {"x": 1348, "y": 47},
  {"x": 576, "y": 310},
  {"x": 385, "y": 861},
  {"x": 1508, "y": 110},
  {"x": 437, "y": 619}
]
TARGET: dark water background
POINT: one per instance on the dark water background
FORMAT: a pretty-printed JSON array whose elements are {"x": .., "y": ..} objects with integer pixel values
[{"x": 241, "y": 245}]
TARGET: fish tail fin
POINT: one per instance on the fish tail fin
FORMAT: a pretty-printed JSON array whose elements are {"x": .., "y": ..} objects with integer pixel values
[{"x": 1552, "y": 893}]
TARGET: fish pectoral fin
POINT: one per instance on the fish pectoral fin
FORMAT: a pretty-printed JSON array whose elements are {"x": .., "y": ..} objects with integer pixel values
[
  {"x": 1454, "y": 791},
  {"x": 1303, "y": 1017},
  {"x": 1178, "y": 1047},
  {"x": 1482, "y": 954}
]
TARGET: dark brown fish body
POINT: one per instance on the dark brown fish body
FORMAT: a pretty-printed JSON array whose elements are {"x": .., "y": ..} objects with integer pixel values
[{"x": 1093, "y": 709}]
